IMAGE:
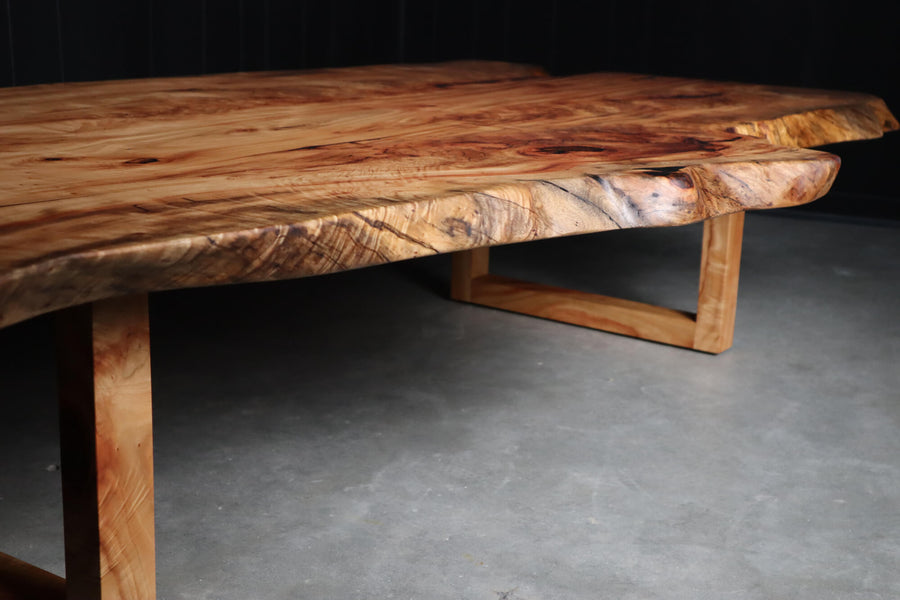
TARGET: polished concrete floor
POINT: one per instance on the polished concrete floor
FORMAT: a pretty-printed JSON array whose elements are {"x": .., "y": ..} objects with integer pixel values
[{"x": 360, "y": 436}]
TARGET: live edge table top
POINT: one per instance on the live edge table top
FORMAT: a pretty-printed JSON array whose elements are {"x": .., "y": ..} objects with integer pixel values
[{"x": 120, "y": 187}]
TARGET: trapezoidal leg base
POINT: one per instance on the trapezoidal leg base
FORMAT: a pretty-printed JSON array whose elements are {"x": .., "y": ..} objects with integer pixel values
[{"x": 710, "y": 330}]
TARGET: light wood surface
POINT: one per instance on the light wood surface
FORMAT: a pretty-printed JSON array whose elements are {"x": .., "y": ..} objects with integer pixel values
[
  {"x": 124, "y": 187},
  {"x": 22, "y": 581},
  {"x": 106, "y": 442}
]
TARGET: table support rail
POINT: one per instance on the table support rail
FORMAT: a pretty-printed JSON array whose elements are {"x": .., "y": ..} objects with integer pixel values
[
  {"x": 720, "y": 266},
  {"x": 710, "y": 329}
]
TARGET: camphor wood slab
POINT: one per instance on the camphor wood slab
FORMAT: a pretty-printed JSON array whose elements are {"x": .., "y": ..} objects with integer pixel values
[
  {"x": 111, "y": 190},
  {"x": 128, "y": 187}
]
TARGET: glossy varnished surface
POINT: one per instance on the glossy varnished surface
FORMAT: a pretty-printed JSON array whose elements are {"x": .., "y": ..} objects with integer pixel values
[{"x": 121, "y": 187}]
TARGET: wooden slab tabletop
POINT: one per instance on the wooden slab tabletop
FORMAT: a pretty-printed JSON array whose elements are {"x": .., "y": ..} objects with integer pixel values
[{"x": 118, "y": 187}]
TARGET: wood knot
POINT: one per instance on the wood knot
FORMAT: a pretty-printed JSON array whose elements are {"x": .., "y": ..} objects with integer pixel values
[{"x": 675, "y": 175}]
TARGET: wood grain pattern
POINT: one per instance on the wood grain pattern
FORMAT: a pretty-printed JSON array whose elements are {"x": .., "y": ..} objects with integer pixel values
[
  {"x": 125, "y": 187},
  {"x": 22, "y": 581},
  {"x": 106, "y": 441}
]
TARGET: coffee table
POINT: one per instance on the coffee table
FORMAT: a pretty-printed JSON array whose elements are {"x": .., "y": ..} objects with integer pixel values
[{"x": 112, "y": 190}]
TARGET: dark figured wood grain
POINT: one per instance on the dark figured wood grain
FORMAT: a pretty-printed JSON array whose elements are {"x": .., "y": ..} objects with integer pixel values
[{"x": 115, "y": 188}]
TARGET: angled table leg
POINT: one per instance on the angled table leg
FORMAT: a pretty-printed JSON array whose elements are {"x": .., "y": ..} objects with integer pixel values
[
  {"x": 711, "y": 329},
  {"x": 720, "y": 265},
  {"x": 107, "y": 450}
]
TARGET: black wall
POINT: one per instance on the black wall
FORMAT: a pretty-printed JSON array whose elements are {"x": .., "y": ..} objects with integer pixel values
[{"x": 840, "y": 45}]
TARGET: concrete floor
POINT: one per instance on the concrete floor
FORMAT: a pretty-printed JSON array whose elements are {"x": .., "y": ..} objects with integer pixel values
[{"x": 360, "y": 436}]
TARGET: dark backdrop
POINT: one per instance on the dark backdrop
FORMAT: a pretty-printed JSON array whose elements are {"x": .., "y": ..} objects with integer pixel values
[{"x": 840, "y": 45}]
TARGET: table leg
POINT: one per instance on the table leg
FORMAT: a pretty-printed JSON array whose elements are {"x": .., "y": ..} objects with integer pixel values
[
  {"x": 711, "y": 329},
  {"x": 720, "y": 266},
  {"x": 467, "y": 266},
  {"x": 107, "y": 450}
]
